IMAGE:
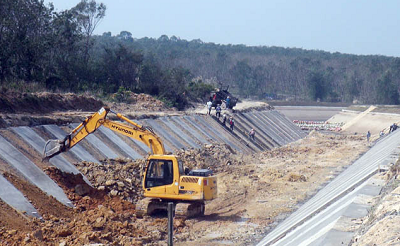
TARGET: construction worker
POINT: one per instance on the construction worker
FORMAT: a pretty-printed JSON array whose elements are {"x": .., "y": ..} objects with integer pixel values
[
  {"x": 252, "y": 134},
  {"x": 218, "y": 111},
  {"x": 209, "y": 106},
  {"x": 231, "y": 123},
  {"x": 227, "y": 102}
]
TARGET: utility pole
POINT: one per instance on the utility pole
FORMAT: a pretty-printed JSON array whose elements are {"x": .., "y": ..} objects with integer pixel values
[{"x": 170, "y": 224}]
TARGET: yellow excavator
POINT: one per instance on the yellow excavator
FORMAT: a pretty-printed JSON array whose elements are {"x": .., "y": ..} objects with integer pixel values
[{"x": 164, "y": 179}]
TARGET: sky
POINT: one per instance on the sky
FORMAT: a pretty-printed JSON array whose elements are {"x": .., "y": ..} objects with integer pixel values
[{"x": 362, "y": 27}]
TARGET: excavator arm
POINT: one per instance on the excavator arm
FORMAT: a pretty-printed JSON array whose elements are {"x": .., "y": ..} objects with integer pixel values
[{"x": 93, "y": 122}]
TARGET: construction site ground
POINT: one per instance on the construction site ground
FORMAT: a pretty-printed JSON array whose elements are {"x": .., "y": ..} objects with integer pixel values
[{"x": 255, "y": 192}]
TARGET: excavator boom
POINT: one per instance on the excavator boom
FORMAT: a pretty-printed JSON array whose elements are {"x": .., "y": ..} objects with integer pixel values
[{"x": 93, "y": 122}]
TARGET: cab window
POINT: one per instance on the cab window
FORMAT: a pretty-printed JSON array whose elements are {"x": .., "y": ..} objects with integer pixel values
[
  {"x": 181, "y": 169},
  {"x": 159, "y": 172}
]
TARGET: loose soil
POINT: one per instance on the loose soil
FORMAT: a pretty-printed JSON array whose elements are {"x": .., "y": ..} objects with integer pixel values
[
  {"x": 30, "y": 109},
  {"x": 255, "y": 192},
  {"x": 241, "y": 215}
]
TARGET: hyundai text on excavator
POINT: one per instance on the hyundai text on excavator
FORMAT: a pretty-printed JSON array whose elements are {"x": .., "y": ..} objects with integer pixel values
[{"x": 163, "y": 179}]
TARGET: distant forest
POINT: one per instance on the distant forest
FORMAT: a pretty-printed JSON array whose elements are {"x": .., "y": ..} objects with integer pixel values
[{"x": 57, "y": 51}]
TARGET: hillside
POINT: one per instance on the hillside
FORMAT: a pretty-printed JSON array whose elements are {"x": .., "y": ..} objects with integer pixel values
[{"x": 58, "y": 52}]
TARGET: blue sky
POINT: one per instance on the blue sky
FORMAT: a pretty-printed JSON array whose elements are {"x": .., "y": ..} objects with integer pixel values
[{"x": 366, "y": 27}]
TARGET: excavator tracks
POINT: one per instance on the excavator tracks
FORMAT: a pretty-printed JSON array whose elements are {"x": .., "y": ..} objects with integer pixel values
[
  {"x": 189, "y": 210},
  {"x": 149, "y": 206}
]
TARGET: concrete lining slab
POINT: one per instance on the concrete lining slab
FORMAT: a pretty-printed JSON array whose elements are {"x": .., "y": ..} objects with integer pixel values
[
  {"x": 98, "y": 144},
  {"x": 278, "y": 135},
  {"x": 77, "y": 150},
  {"x": 289, "y": 124},
  {"x": 371, "y": 190},
  {"x": 217, "y": 133},
  {"x": 31, "y": 172},
  {"x": 167, "y": 146},
  {"x": 120, "y": 143},
  {"x": 266, "y": 127},
  {"x": 13, "y": 197},
  {"x": 190, "y": 120},
  {"x": 163, "y": 133},
  {"x": 282, "y": 128},
  {"x": 183, "y": 136},
  {"x": 37, "y": 142},
  {"x": 261, "y": 136},
  {"x": 355, "y": 210},
  {"x": 181, "y": 123},
  {"x": 335, "y": 238}
]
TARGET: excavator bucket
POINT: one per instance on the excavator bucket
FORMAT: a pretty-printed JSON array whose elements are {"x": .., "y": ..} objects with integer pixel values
[{"x": 52, "y": 148}]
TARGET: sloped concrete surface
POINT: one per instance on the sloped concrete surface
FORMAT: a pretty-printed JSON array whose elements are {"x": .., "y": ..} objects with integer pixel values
[
  {"x": 131, "y": 153},
  {"x": 37, "y": 142},
  {"x": 302, "y": 226},
  {"x": 97, "y": 143},
  {"x": 77, "y": 150},
  {"x": 31, "y": 172},
  {"x": 13, "y": 197}
]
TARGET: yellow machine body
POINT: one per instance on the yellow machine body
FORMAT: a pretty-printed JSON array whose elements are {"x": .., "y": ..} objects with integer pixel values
[{"x": 164, "y": 178}]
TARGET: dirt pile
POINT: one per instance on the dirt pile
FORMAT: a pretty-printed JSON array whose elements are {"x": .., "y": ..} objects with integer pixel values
[
  {"x": 30, "y": 109},
  {"x": 96, "y": 218},
  {"x": 46, "y": 102},
  {"x": 137, "y": 102}
]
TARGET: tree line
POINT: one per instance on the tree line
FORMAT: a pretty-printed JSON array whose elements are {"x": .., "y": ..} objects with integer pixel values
[{"x": 58, "y": 51}]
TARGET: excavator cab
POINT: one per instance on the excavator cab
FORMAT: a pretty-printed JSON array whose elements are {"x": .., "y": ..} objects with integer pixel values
[{"x": 164, "y": 181}]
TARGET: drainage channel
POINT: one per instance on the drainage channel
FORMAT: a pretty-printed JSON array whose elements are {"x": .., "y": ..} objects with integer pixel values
[{"x": 361, "y": 169}]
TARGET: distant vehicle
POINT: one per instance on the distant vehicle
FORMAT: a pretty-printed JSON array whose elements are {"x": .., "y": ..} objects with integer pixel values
[
  {"x": 220, "y": 96},
  {"x": 271, "y": 96}
]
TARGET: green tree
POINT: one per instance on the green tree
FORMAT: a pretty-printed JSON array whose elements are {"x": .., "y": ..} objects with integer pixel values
[
  {"x": 25, "y": 35},
  {"x": 88, "y": 15},
  {"x": 387, "y": 92},
  {"x": 317, "y": 86}
]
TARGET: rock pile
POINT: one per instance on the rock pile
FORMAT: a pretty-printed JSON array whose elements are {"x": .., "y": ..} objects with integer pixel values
[
  {"x": 122, "y": 177},
  {"x": 117, "y": 177},
  {"x": 213, "y": 156}
]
